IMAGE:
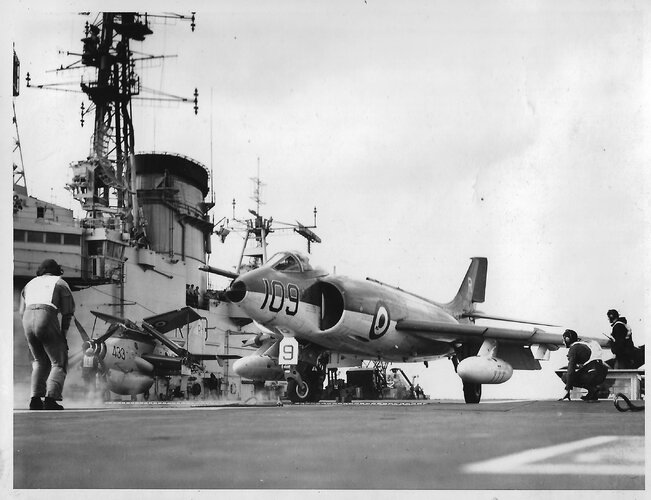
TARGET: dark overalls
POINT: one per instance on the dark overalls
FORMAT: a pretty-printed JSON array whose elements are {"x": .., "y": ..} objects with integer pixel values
[{"x": 43, "y": 298}]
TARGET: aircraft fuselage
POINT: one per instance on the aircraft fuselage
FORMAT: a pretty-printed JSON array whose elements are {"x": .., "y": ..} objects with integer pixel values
[{"x": 340, "y": 313}]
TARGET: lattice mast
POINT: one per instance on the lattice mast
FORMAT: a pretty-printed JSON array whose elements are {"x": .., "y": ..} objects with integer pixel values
[
  {"x": 20, "y": 181},
  {"x": 104, "y": 183}
]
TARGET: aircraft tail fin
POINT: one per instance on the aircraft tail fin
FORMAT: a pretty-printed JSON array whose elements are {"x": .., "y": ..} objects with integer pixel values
[{"x": 473, "y": 287}]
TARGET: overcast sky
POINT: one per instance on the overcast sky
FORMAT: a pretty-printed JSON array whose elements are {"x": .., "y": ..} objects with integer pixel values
[{"x": 424, "y": 132}]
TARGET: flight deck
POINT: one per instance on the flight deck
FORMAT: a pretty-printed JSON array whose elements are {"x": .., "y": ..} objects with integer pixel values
[{"x": 397, "y": 445}]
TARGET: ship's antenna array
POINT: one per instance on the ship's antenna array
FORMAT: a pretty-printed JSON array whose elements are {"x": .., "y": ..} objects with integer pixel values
[
  {"x": 20, "y": 181},
  {"x": 212, "y": 184},
  {"x": 104, "y": 183},
  {"x": 257, "y": 229},
  {"x": 257, "y": 189}
]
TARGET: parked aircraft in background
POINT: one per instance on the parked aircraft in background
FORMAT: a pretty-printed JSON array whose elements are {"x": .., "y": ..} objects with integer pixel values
[
  {"x": 312, "y": 314},
  {"x": 130, "y": 356}
]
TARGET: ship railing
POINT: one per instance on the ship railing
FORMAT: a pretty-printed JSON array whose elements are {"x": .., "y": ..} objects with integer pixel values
[
  {"x": 114, "y": 223},
  {"x": 163, "y": 195}
]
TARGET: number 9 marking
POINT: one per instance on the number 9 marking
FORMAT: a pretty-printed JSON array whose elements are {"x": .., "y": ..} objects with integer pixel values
[
  {"x": 288, "y": 352},
  {"x": 292, "y": 298}
]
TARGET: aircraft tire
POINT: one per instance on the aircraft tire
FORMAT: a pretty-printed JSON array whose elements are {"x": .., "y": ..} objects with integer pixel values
[
  {"x": 471, "y": 392},
  {"x": 298, "y": 393},
  {"x": 311, "y": 390}
]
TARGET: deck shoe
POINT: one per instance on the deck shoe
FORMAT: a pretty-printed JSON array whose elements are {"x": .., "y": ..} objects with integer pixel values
[
  {"x": 590, "y": 397},
  {"x": 35, "y": 404},
  {"x": 51, "y": 404}
]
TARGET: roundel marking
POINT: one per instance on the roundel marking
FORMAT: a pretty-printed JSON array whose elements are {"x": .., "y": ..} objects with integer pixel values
[
  {"x": 160, "y": 323},
  {"x": 381, "y": 322}
]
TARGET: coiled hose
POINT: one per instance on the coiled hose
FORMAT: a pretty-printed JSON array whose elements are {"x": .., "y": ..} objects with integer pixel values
[{"x": 631, "y": 406}]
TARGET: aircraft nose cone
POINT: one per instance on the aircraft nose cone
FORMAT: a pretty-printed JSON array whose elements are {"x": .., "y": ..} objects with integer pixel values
[{"x": 236, "y": 292}]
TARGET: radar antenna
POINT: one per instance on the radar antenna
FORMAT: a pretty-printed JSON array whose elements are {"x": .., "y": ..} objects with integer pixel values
[
  {"x": 257, "y": 229},
  {"x": 104, "y": 183}
]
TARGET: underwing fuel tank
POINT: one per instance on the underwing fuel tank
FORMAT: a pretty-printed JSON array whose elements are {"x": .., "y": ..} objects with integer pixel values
[
  {"x": 256, "y": 367},
  {"x": 481, "y": 370}
]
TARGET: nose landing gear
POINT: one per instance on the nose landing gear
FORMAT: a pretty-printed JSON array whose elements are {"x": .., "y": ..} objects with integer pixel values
[{"x": 305, "y": 383}]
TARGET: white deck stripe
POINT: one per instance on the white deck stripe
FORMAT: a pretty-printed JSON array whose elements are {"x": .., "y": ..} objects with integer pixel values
[
  {"x": 525, "y": 462},
  {"x": 594, "y": 470}
]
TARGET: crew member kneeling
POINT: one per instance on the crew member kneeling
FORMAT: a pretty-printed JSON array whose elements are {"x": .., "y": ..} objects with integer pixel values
[
  {"x": 41, "y": 301},
  {"x": 584, "y": 366}
]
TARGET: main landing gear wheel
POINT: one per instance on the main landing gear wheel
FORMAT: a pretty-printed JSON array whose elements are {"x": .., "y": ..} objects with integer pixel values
[
  {"x": 298, "y": 392},
  {"x": 302, "y": 392},
  {"x": 471, "y": 392},
  {"x": 309, "y": 390}
]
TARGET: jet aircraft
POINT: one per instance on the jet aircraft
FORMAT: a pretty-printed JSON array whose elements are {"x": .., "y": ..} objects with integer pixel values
[
  {"x": 312, "y": 314},
  {"x": 131, "y": 356}
]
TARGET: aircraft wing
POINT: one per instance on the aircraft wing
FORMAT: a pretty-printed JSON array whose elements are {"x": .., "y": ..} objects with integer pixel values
[
  {"x": 218, "y": 357},
  {"x": 172, "y": 364},
  {"x": 482, "y": 315},
  {"x": 466, "y": 331},
  {"x": 512, "y": 342},
  {"x": 115, "y": 320},
  {"x": 171, "y": 320},
  {"x": 166, "y": 363}
]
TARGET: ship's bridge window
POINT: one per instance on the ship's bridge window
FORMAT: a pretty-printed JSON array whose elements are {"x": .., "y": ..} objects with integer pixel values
[
  {"x": 35, "y": 237},
  {"x": 95, "y": 248},
  {"x": 289, "y": 262},
  {"x": 114, "y": 250},
  {"x": 71, "y": 239},
  {"x": 53, "y": 238}
]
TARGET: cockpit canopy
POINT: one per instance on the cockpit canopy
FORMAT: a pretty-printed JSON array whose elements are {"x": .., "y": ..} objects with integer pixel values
[{"x": 287, "y": 262}]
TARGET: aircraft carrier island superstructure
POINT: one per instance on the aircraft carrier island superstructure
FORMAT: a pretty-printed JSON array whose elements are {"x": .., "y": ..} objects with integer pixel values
[
  {"x": 138, "y": 273},
  {"x": 137, "y": 251}
]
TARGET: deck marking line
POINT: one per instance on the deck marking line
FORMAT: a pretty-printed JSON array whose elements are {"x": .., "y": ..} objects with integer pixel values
[
  {"x": 114, "y": 409},
  {"x": 525, "y": 462}
]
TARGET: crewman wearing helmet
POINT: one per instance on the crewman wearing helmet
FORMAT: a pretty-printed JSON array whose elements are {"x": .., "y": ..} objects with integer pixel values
[
  {"x": 41, "y": 301},
  {"x": 621, "y": 344},
  {"x": 585, "y": 367}
]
